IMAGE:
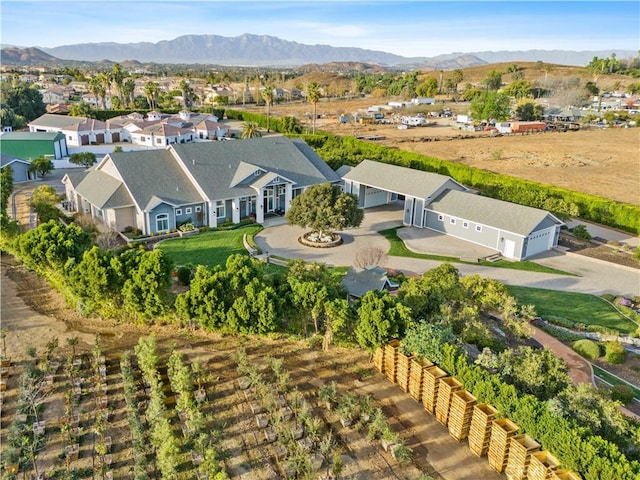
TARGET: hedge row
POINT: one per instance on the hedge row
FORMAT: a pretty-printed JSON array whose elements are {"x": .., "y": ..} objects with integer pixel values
[
  {"x": 574, "y": 445},
  {"x": 339, "y": 151}
]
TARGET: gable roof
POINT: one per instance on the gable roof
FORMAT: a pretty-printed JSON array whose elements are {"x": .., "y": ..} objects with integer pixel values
[
  {"x": 154, "y": 173},
  {"x": 6, "y": 160},
  {"x": 217, "y": 167},
  {"x": 394, "y": 178},
  {"x": 103, "y": 191},
  {"x": 507, "y": 216},
  {"x": 358, "y": 281},
  {"x": 32, "y": 136},
  {"x": 51, "y": 120}
]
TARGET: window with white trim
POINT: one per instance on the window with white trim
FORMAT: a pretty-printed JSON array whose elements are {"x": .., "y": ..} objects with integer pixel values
[
  {"x": 478, "y": 228},
  {"x": 198, "y": 209},
  {"x": 441, "y": 218},
  {"x": 187, "y": 210},
  {"x": 452, "y": 221},
  {"x": 465, "y": 224},
  {"x": 178, "y": 211},
  {"x": 220, "y": 208},
  {"x": 162, "y": 222}
]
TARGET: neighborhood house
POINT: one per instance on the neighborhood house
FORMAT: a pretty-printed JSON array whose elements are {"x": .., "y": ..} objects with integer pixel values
[
  {"x": 205, "y": 184},
  {"x": 156, "y": 130},
  {"x": 440, "y": 203}
]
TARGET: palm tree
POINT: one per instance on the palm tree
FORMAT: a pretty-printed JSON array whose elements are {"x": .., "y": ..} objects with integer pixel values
[
  {"x": 313, "y": 95},
  {"x": 187, "y": 91},
  {"x": 267, "y": 94},
  {"x": 151, "y": 92},
  {"x": 97, "y": 89},
  {"x": 250, "y": 130},
  {"x": 128, "y": 88},
  {"x": 117, "y": 75},
  {"x": 105, "y": 79}
]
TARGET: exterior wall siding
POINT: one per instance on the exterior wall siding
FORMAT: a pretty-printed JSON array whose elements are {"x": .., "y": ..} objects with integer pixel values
[
  {"x": 486, "y": 236},
  {"x": 161, "y": 209}
]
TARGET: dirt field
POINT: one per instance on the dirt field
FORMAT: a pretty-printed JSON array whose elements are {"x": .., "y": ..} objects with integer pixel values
[
  {"x": 34, "y": 315},
  {"x": 604, "y": 162}
]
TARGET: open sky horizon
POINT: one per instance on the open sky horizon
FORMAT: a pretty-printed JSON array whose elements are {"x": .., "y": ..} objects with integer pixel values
[{"x": 406, "y": 28}]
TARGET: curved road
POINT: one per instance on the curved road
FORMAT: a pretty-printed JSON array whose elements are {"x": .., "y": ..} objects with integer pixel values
[{"x": 593, "y": 276}]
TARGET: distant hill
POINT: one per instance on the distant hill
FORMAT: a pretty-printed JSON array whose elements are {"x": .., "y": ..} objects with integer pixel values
[
  {"x": 263, "y": 50},
  {"x": 26, "y": 56}
]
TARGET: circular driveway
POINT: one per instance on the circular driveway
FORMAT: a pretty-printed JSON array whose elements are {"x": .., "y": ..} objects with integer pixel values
[{"x": 592, "y": 276}]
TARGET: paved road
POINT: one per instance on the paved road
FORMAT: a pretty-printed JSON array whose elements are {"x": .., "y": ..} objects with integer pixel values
[{"x": 594, "y": 276}]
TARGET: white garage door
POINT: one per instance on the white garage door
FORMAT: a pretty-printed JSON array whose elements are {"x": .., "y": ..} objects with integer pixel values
[{"x": 539, "y": 242}]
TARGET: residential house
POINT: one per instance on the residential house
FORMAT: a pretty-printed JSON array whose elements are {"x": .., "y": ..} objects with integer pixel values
[
  {"x": 359, "y": 281},
  {"x": 206, "y": 183},
  {"x": 440, "y": 203},
  {"x": 19, "y": 168},
  {"x": 78, "y": 131},
  {"x": 30, "y": 145}
]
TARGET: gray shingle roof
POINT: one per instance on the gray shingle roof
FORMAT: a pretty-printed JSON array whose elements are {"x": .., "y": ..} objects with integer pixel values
[
  {"x": 154, "y": 172},
  {"x": 57, "y": 121},
  {"x": 99, "y": 187},
  {"x": 359, "y": 281},
  {"x": 9, "y": 159},
  {"x": 394, "y": 178},
  {"x": 214, "y": 164},
  {"x": 506, "y": 216}
]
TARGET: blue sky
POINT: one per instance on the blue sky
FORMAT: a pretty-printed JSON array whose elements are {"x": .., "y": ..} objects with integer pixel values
[{"x": 408, "y": 28}]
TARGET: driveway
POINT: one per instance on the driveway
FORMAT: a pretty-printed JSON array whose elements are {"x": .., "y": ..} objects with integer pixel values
[{"x": 593, "y": 276}]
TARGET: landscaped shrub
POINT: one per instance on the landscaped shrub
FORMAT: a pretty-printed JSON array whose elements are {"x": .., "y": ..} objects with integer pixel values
[
  {"x": 184, "y": 275},
  {"x": 587, "y": 348},
  {"x": 608, "y": 297},
  {"x": 622, "y": 393},
  {"x": 580, "y": 231},
  {"x": 560, "y": 321},
  {"x": 614, "y": 352}
]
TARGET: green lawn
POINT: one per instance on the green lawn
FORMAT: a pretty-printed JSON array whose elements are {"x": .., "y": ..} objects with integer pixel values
[
  {"x": 399, "y": 249},
  {"x": 207, "y": 248},
  {"x": 607, "y": 377},
  {"x": 578, "y": 307}
]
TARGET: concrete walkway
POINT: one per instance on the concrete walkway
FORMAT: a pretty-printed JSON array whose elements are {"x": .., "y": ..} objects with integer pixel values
[{"x": 593, "y": 276}]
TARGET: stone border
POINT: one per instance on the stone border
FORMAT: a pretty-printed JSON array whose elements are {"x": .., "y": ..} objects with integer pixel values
[{"x": 308, "y": 243}]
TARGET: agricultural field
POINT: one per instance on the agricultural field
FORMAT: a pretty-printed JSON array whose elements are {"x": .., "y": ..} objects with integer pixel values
[
  {"x": 100, "y": 405},
  {"x": 600, "y": 162}
]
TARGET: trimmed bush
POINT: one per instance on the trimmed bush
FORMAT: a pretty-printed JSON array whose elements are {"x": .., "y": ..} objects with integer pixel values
[
  {"x": 580, "y": 231},
  {"x": 587, "y": 348},
  {"x": 622, "y": 393},
  {"x": 614, "y": 352},
  {"x": 184, "y": 275}
]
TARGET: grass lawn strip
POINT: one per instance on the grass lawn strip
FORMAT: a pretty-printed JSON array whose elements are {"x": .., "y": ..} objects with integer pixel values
[
  {"x": 207, "y": 248},
  {"x": 399, "y": 249},
  {"x": 615, "y": 380},
  {"x": 577, "y": 307}
]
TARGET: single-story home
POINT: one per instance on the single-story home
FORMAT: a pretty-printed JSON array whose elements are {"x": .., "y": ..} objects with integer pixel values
[
  {"x": 442, "y": 204},
  {"x": 30, "y": 145},
  {"x": 19, "y": 168},
  {"x": 360, "y": 280},
  {"x": 205, "y": 183}
]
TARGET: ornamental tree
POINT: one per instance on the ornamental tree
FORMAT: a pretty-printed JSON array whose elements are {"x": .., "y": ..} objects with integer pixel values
[
  {"x": 324, "y": 208},
  {"x": 86, "y": 159}
]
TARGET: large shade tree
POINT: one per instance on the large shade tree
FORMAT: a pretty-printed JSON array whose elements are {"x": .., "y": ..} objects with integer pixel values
[{"x": 324, "y": 208}]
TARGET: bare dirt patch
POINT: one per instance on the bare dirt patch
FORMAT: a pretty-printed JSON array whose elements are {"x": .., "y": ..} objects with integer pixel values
[{"x": 601, "y": 162}]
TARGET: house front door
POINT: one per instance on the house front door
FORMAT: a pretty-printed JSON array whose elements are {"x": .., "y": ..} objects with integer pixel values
[{"x": 268, "y": 200}]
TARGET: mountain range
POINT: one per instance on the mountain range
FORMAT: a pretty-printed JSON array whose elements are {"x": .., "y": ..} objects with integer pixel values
[{"x": 264, "y": 50}]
